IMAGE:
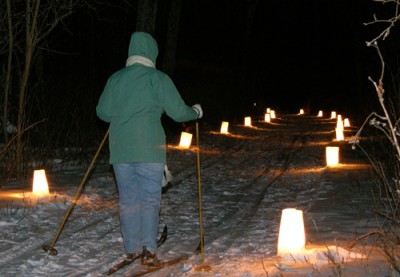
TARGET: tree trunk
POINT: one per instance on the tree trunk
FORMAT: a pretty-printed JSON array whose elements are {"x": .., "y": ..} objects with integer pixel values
[
  {"x": 7, "y": 80},
  {"x": 30, "y": 35},
  {"x": 171, "y": 43},
  {"x": 40, "y": 19},
  {"x": 146, "y": 16}
]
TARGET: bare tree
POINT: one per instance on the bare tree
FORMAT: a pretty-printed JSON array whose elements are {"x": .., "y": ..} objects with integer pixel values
[
  {"x": 26, "y": 26},
  {"x": 29, "y": 23},
  {"x": 388, "y": 123}
]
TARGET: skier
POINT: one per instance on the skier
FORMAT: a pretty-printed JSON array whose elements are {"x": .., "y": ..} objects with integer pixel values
[{"x": 133, "y": 101}]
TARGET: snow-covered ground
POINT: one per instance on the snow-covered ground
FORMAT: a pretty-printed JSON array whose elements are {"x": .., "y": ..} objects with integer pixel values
[{"x": 247, "y": 177}]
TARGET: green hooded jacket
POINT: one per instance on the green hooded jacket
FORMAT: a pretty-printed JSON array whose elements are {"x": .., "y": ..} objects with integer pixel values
[{"x": 133, "y": 102}]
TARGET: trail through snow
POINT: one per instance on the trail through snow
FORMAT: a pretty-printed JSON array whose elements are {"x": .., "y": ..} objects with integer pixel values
[{"x": 247, "y": 177}]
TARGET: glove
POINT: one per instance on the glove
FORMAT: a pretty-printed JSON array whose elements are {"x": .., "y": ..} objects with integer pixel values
[{"x": 198, "y": 109}]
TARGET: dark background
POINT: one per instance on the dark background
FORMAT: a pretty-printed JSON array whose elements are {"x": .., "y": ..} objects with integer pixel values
[{"x": 307, "y": 54}]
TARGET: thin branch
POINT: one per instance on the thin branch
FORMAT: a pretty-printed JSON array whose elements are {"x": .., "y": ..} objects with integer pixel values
[
  {"x": 391, "y": 21},
  {"x": 372, "y": 233},
  {"x": 23, "y": 131}
]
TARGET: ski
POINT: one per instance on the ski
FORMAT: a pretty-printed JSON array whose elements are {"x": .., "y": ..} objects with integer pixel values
[
  {"x": 158, "y": 266},
  {"x": 127, "y": 262},
  {"x": 162, "y": 264},
  {"x": 120, "y": 265}
]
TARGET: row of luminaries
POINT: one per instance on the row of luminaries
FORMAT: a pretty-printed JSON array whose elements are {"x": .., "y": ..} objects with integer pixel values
[
  {"x": 291, "y": 232},
  {"x": 332, "y": 152}
]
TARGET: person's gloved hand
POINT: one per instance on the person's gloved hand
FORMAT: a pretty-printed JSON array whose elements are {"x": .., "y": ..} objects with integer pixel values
[{"x": 198, "y": 109}]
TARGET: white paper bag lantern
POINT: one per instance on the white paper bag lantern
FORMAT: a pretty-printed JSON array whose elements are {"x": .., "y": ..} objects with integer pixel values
[
  {"x": 332, "y": 155},
  {"x": 320, "y": 114},
  {"x": 268, "y": 110},
  {"x": 339, "y": 134},
  {"x": 40, "y": 186},
  {"x": 267, "y": 117},
  {"x": 291, "y": 232},
  {"x": 339, "y": 124},
  {"x": 333, "y": 114},
  {"x": 186, "y": 140},
  {"x": 301, "y": 111},
  {"x": 224, "y": 127},
  {"x": 247, "y": 121},
  {"x": 346, "y": 122},
  {"x": 273, "y": 115}
]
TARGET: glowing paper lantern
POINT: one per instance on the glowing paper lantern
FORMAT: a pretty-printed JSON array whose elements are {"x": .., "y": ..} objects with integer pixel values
[
  {"x": 273, "y": 114},
  {"x": 332, "y": 155},
  {"x": 339, "y": 134},
  {"x": 339, "y": 124},
  {"x": 320, "y": 114},
  {"x": 333, "y": 114},
  {"x": 186, "y": 140},
  {"x": 40, "y": 186},
  {"x": 346, "y": 122},
  {"x": 291, "y": 232},
  {"x": 267, "y": 117},
  {"x": 301, "y": 111},
  {"x": 224, "y": 127},
  {"x": 247, "y": 121},
  {"x": 268, "y": 110}
]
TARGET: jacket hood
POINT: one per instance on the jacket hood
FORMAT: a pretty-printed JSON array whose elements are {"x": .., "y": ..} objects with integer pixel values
[{"x": 143, "y": 44}]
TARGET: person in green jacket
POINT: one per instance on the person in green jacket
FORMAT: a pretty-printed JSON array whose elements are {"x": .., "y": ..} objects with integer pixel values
[{"x": 133, "y": 101}]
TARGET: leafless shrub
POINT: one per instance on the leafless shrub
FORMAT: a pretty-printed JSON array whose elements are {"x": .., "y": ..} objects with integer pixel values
[{"x": 387, "y": 162}]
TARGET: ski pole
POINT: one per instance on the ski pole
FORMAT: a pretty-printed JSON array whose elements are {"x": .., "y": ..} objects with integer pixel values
[
  {"x": 202, "y": 267},
  {"x": 50, "y": 248}
]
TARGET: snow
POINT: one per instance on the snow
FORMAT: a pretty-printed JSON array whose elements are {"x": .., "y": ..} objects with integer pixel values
[{"x": 247, "y": 178}]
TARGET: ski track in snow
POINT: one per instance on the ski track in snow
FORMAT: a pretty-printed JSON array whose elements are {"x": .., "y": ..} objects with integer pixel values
[{"x": 247, "y": 178}]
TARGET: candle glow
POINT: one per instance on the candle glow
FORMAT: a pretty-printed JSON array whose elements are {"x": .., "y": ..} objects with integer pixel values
[
  {"x": 291, "y": 232},
  {"x": 332, "y": 155},
  {"x": 224, "y": 127},
  {"x": 247, "y": 121},
  {"x": 186, "y": 140},
  {"x": 40, "y": 186}
]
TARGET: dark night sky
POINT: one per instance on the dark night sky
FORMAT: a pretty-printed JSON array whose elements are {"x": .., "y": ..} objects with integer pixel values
[
  {"x": 301, "y": 54},
  {"x": 304, "y": 53}
]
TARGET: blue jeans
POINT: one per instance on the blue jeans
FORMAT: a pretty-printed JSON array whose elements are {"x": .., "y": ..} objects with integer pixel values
[{"x": 139, "y": 189}]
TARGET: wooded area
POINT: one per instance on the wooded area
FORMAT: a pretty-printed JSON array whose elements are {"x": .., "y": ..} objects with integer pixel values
[
  {"x": 29, "y": 28},
  {"x": 43, "y": 105},
  {"x": 54, "y": 61}
]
